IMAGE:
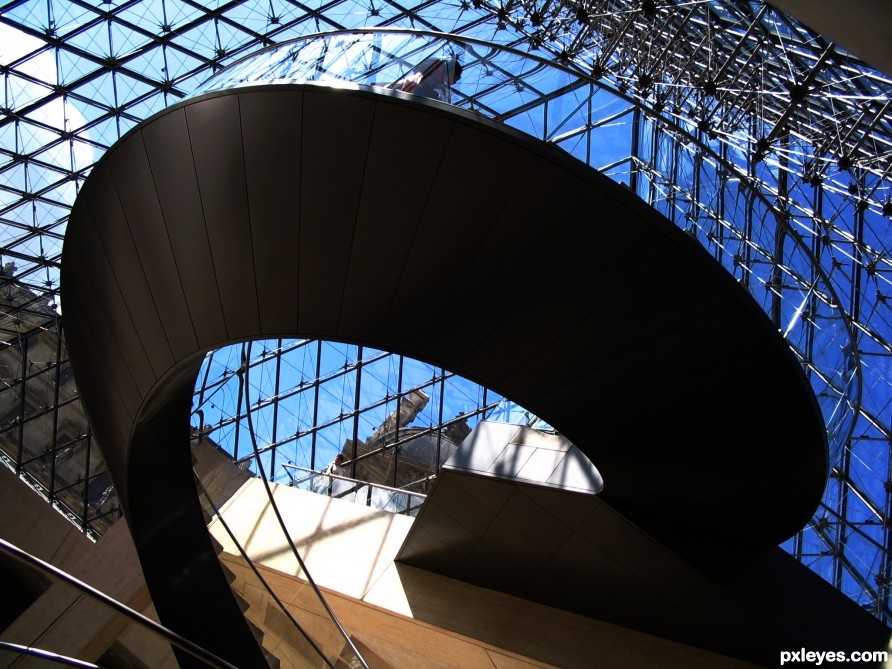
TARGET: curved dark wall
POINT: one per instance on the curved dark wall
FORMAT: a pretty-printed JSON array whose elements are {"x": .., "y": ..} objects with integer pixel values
[{"x": 365, "y": 217}]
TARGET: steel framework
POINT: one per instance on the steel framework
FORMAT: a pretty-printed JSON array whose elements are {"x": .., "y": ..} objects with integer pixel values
[{"x": 758, "y": 101}]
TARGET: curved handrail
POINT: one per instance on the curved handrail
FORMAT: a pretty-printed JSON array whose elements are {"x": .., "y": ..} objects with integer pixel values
[
  {"x": 253, "y": 567},
  {"x": 187, "y": 645},
  {"x": 313, "y": 476},
  {"x": 46, "y": 655},
  {"x": 292, "y": 546}
]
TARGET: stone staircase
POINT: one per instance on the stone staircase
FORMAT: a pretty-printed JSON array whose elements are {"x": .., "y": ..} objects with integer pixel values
[{"x": 284, "y": 646}]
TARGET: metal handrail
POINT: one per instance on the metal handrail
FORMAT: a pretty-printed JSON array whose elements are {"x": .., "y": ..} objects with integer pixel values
[
  {"x": 181, "y": 642},
  {"x": 253, "y": 567},
  {"x": 312, "y": 472}
]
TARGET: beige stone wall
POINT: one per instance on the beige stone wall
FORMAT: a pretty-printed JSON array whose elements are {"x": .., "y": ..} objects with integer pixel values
[
  {"x": 398, "y": 616},
  {"x": 33, "y": 525},
  {"x": 407, "y": 617},
  {"x": 62, "y": 619}
]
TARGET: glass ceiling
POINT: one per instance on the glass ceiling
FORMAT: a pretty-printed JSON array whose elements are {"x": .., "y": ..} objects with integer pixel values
[{"x": 772, "y": 148}]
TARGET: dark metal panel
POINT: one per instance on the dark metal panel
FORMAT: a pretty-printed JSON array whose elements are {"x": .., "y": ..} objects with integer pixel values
[
  {"x": 489, "y": 493},
  {"x": 595, "y": 574},
  {"x": 507, "y": 558},
  {"x": 478, "y": 176},
  {"x": 619, "y": 540},
  {"x": 103, "y": 306},
  {"x": 144, "y": 218},
  {"x": 671, "y": 316},
  {"x": 464, "y": 509},
  {"x": 538, "y": 524},
  {"x": 659, "y": 492},
  {"x": 105, "y": 406},
  {"x": 335, "y": 141},
  {"x": 170, "y": 156},
  {"x": 113, "y": 234},
  {"x": 271, "y": 138},
  {"x": 519, "y": 228},
  {"x": 520, "y": 348},
  {"x": 404, "y": 156},
  {"x": 432, "y": 551},
  {"x": 603, "y": 345},
  {"x": 574, "y": 552},
  {"x": 189, "y": 588},
  {"x": 216, "y": 142}
]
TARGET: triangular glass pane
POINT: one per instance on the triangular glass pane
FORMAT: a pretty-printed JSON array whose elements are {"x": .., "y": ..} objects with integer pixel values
[
  {"x": 200, "y": 40},
  {"x": 232, "y": 39},
  {"x": 177, "y": 14},
  {"x": 83, "y": 153},
  {"x": 188, "y": 84},
  {"x": 125, "y": 40},
  {"x": 19, "y": 217},
  {"x": 32, "y": 14},
  {"x": 101, "y": 90},
  {"x": 350, "y": 14},
  {"x": 127, "y": 123},
  {"x": 28, "y": 247},
  {"x": 101, "y": 4},
  {"x": 9, "y": 141},
  {"x": 130, "y": 89},
  {"x": 21, "y": 93},
  {"x": 53, "y": 187},
  {"x": 95, "y": 40},
  {"x": 281, "y": 14},
  {"x": 293, "y": 22},
  {"x": 51, "y": 246},
  {"x": 105, "y": 132},
  {"x": 56, "y": 227},
  {"x": 73, "y": 67},
  {"x": 41, "y": 178},
  {"x": 39, "y": 65},
  {"x": 12, "y": 184},
  {"x": 88, "y": 111},
  {"x": 145, "y": 15},
  {"x": 150, "y": 63},
  {"x": 447, "y": 17},
  {"x": 215, "y": 4},
  {"x": 71, "y": 16},
  {"x": 33, "y": 136},
  {"x": 57, "y": 159},
  {"x": 253, "y": 17},
  {"x": 145, "y": 108},
  {"x": 179, "y": 63}
]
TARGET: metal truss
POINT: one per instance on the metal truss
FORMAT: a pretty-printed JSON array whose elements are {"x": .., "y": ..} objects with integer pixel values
[
  {"x": 756, "y": 98},
  {"x": 44, "y": 434}
]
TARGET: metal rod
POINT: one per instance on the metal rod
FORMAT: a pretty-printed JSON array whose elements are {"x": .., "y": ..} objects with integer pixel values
[
  {"x": 256, "y": 571},
  {"x": 291, "y": 544},
  {"x": 180, "y": 642},
  {"x": 47, "y": 655},
  {"x": 345, "y": 478}
]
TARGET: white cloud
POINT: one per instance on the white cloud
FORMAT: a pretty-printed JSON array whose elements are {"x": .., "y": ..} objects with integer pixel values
[{"x": 57, "y": 113}]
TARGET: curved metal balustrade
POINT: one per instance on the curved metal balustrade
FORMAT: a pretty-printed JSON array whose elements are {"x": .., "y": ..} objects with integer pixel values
[
  {"x": 291, "y": 184},
  {"x": 752, "y": 238},
  {"x": 725, "y": 71}
]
